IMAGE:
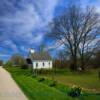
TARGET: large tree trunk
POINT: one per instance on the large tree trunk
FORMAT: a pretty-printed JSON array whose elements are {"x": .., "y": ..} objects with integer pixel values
[
  {"x": 82, "y": 66},
  {"x": 82, "y": 63},
  {"x": 74, "y": 65}
]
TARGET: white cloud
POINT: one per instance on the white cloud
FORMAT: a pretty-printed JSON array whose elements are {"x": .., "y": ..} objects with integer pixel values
[
  {"x": 23, "y": 48},
  {"x": 98, "y": 9},
  {"x": 8, "y": 43},
  {"x": 19, "y": 23},
  {"x": 4, "y": 55}
]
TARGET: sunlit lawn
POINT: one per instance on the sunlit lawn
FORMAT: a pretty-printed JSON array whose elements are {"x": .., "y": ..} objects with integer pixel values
[
  {"x": 41, "y": 91},
  {"x": 89, "y": 80}
]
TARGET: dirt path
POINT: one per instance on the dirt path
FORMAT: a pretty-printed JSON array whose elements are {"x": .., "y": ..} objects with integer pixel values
[{"x": 9, "y": 90}]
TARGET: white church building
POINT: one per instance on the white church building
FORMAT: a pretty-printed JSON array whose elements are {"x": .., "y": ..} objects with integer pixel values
[{"x": 40, "y": 60}]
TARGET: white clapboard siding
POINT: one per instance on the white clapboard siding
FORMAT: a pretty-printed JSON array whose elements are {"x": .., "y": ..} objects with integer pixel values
[{"x": 46, "y": 64}]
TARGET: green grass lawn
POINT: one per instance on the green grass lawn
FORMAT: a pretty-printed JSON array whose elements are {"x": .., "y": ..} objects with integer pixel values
[
  {"x": 36, "y": 90},
  {"x": 89, "y": 81}
]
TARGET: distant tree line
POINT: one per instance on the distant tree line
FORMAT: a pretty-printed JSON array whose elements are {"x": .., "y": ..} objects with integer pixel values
[
  {"x": 94, "y": 62},
  {"x": 59, "y": 63},
  {"x": 17, "y": 60}
]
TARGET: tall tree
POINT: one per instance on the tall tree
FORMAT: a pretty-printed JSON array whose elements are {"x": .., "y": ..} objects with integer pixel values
[
  {"x": 79, "y": 30},
  {"x": 17, "y": 60}
]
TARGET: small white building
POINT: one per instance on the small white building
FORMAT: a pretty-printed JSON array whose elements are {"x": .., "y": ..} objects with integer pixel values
[{"x": 41, "y": 60}]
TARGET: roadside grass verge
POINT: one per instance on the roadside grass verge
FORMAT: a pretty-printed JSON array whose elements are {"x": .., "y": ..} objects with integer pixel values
[
  {"x": 33, "y": 89},
  {"x": 36, "y": 90}
]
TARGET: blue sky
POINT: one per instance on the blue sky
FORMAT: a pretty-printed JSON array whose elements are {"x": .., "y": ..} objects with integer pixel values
[{"x": 23, "y": 23}]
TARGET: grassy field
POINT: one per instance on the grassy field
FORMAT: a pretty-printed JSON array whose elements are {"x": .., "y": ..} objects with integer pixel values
[
  {"x": 36, "y": 90},
  {"x": 89, "y": 81}
]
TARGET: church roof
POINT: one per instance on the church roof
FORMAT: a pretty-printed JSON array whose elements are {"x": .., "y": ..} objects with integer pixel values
[{"x": 41, "y": 56}]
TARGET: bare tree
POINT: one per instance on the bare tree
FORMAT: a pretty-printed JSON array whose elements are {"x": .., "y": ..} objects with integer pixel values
[
  {"x": 18, "y": 60},
  {"x": 79, "y": 31}
]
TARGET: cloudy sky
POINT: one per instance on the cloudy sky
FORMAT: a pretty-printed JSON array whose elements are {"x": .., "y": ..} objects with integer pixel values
[{"x": 23, "y": 23}]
